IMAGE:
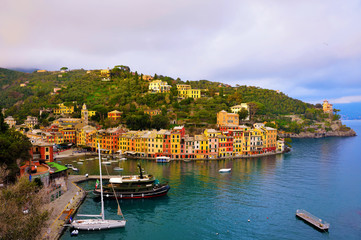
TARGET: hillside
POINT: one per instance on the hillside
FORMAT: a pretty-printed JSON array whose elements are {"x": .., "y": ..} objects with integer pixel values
[{"x": 126, "y": 91}]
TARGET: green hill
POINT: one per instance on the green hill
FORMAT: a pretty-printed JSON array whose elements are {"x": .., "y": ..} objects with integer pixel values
[{"x": 127, "y": 92}]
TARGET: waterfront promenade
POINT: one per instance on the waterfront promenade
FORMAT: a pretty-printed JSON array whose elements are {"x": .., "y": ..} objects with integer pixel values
[{"x": 62, "y": 208}]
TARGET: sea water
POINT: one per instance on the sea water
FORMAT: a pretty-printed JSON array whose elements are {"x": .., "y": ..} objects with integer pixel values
[{"x": 258, "y": 199}]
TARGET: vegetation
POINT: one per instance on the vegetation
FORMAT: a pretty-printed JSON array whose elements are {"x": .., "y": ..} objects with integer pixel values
[
  {"x": 21, "y": 213},
  {"x": 14, "y": 148},
  {"x": 128, "y": 92}
]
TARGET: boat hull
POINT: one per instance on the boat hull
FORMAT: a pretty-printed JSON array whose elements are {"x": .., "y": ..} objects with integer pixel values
[
  {"x": 97, "y": 224},
  {"x": 157, "y": 192}
]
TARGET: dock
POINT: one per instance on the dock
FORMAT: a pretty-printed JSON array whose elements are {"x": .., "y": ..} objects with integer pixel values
[{"x": 314, "y": 221}]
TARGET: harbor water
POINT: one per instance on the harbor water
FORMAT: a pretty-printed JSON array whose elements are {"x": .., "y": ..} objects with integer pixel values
[{"x": 258, "y": 199}]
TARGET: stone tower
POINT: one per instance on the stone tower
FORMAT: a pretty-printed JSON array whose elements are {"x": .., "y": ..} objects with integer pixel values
[{"x": 84, "y": 114}]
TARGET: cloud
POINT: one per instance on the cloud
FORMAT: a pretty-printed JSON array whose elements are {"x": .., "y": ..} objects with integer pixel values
[
  {"x": 347, "y": 99},
  {"x": 306, "y": 49}
]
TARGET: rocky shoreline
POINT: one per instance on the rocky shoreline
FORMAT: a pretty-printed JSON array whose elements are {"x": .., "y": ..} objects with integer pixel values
[{"x": 322, "y": 134}]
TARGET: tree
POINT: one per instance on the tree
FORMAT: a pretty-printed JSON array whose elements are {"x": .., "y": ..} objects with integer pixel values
[
  {"x": 243, "y": 114},
  {"x": 64, "y": 68},
  {"x": 14, "y": 148},
  {"x": 160, "y": 122},
  {"x": 14, "y": 200},
  {"x": 253, "y": 108},
  {"x": 3, "y": 126}
]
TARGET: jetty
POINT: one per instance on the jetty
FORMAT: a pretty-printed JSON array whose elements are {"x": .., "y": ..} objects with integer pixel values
[{"x": 314, "y": 221}]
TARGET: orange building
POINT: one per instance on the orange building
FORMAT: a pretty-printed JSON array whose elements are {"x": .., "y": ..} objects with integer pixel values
[
  {"x": 327, "y": 107},
  {"x": 114, "y": 115},
  {"x": 227, "y": 119}
]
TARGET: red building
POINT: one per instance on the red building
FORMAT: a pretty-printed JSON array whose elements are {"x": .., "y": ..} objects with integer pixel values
[
  {"x": 114, "y": 115},
  {"x": 42, "y": 151}
]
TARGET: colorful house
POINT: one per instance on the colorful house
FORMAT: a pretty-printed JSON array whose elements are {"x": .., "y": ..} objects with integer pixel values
[
  {"x": 114, "y": 115},
  {"x": 186, "y": 91},
  {"x": 42, "y": 151},
  {"x": 227, "y": 119},
  {"x": 327, "y": 107},
  {"x": 62, "y": 109},
  {"x": 10, "y": 121},
  {"x": 238, "y": 108},
  {"x": 158, "y": 86}
]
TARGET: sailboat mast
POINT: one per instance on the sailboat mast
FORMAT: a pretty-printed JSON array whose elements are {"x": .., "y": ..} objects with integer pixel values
[{"x": 101, "y": 182}]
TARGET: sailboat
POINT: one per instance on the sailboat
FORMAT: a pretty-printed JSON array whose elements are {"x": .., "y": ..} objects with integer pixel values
[{"x": 100, "y": 222}]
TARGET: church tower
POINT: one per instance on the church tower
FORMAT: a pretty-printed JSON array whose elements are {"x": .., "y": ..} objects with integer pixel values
[{"x": 84, "y": 114}]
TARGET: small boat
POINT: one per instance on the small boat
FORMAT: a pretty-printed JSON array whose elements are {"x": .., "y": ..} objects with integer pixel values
[
  {"x": 225, "y": 170},
  {"x": 75, "y": 169},
  {"x": 68, "y": 165},
  {"x": 314, "y": 221},
  {"x": 100, "y": 222},
  {"x": 118, "y": 169},
  {"x": 80, "y": 163},
  {"x": 122, "y": 159},
  {"x": 163, "y": 159},
  {"x": 106, "y": 162},
  {"x": 81, "y": 160},
  {"x": 74, "y": 233}
]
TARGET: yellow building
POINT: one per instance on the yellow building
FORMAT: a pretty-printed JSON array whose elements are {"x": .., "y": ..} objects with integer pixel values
[
  {"x": 175, "y": 138},
  {"x": 185, "y": 91},
  {"x": 327, "y": 107},
  {"x": 64, "y": 109},
  {"x": 10, "y": 121},
  {"x": 158, "y": 86},
  {"x": 105, "y": 73},
  {"x": 201, "y": 146},
  {"x": 238, "y": 108},
  {"x": 226, "y": 119},
  {"x": 91, "y": 113},
  {"x": 269, "y": 139}
]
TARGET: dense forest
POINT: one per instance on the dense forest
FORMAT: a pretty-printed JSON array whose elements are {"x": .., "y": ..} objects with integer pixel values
[{"x": 127, "y": 92}]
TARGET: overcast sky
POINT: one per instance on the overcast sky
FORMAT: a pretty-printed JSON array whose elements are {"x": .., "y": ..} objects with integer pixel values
[{"x": 310, "y": 50}]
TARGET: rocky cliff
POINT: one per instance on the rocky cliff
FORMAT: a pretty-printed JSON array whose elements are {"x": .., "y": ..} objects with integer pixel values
[{"x": 335, "y": 129}]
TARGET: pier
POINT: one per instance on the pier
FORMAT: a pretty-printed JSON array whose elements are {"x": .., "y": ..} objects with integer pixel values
[
  {"x": 63, "y": 208},
  {"x": 314, "y": 221}
]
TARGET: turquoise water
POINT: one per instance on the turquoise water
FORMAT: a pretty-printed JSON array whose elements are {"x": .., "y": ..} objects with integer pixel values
[{"x": 322, "y": 176}]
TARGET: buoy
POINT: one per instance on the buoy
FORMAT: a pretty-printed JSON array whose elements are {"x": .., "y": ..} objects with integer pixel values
[
  {"x": 249, "y": 220},
  {"x": 267, "y": 217}
]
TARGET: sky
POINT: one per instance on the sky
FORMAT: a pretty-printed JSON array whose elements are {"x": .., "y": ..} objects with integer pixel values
[{"x": 309, "y": 50}]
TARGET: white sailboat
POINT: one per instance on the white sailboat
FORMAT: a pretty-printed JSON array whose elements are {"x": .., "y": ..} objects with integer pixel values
[{"x": 100, "y": 222}]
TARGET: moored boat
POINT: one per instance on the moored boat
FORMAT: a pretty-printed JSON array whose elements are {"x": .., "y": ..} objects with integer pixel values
[
  {"x": 225, "y": 170},
  {"x": 99, "y": 223},
  {"x": 134, "y": 186},
  {"x": 163, "y": 159}
]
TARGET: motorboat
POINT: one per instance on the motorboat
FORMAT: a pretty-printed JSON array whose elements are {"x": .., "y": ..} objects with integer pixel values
[
  {"x": 224, "y": 170},
  {"x": 162, "y": 159}
]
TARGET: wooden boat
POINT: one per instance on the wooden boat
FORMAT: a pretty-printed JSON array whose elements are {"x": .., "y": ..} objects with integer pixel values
[
  {"x": 314, "y": 221},
  {"x": 99, "y": 223},
  {"x": 134, "y": 186},
  {"x": 162, "y": 159},
  {"x": 224, "y": 170},
  {"x": 118, "y": 169}
]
